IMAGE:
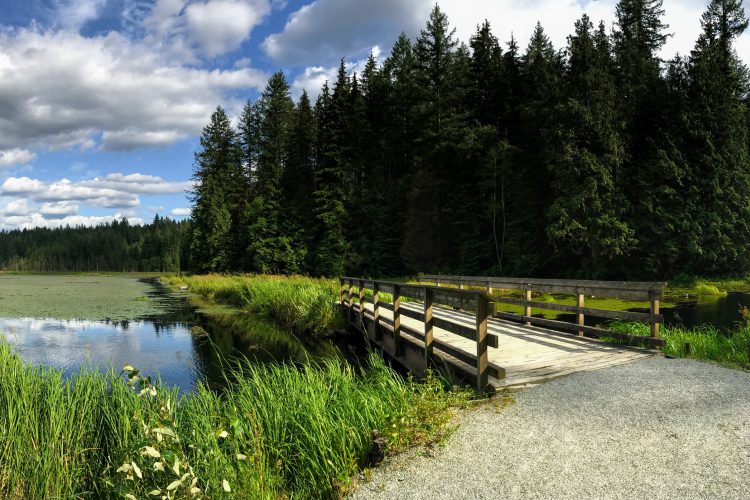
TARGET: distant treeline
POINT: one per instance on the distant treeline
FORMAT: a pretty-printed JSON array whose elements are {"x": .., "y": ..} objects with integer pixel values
[
  {"x": 118, "y": 246},
  {"x": 597, "y": 160}
]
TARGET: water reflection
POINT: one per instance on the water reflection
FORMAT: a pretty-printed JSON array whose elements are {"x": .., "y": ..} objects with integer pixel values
[
  {"x": 179, "y": 344},
  {"x": 720, "y": 311}
]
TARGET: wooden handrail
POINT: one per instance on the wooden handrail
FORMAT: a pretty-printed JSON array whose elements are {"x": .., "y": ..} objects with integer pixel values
[
  {"x": 482, "y": 303},
  {"x": 650, "y": 292},
  {"x": 633, "y": 290}
]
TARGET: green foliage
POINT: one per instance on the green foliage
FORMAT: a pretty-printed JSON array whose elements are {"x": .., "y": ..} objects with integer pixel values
[
  {"x": 299, "y": 304},
  {"x": 706, "y": 342},
  {"x": 597, "y": 161},
  {"x": 275, "y": 431},
  {"x": 116, "y": 246}
]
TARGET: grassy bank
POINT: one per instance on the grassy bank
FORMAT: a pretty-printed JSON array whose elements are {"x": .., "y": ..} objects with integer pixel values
[
  {"x": 277, "y": 431},
  {"x": 302, "y": 305},
  {"x": 731, "y": 349}
]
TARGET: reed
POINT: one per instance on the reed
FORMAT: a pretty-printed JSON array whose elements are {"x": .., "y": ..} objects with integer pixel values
[
  {"x": 298, "y": 303},
  {"x": 277, "y": 430},
  {"x": 706, "y": 342}
]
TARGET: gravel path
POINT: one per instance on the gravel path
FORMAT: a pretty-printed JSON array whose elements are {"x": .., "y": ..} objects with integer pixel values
[{"x": 658, "y": 428}]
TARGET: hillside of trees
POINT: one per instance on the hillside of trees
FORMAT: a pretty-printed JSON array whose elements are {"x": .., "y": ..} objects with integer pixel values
[
  {"x": 594, "y": 160},
  {"x": 118, "y": 246}
]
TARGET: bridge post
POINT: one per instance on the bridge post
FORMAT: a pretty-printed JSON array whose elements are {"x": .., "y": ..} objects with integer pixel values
[
  {"x": 579, "y": 316},
  {"x": 654, "y": 322},
  {"x": 482, "y": 360},
  {"x": 428, "y": 324},
  {"x": 362, "y": 303},
  {"x": 377, "y": 334},
  {"x": 350, "y": 283},
  {"x": 527, "y": 309},
  {"x": 398, "y": 346}
]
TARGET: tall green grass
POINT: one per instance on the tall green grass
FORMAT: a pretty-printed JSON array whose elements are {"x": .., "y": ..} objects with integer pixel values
[
  {"x": 276, "y": 431},
  {"x": 301, "y": 304},
  {"x": 706, "y": 342}
]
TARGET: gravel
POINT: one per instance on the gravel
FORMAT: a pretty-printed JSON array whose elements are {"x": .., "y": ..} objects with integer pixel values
[{"x": 658, "y": 428}]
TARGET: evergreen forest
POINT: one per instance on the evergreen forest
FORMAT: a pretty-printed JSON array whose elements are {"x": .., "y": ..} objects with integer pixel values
[{"x": 599, "y": 159}]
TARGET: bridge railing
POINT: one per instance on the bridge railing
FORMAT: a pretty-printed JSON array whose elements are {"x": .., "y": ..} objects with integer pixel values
[
  {"x": 650, "y": 292},
  {"x": 388, "y": 295}
]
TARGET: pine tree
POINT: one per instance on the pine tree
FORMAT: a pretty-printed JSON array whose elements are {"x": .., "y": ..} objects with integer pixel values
[
  {"x": 329, "y": 196},
  {"x": 216, "y": 197},
  {"x": 584, "y": 218},
  {"x": 298, "y": 179},
  {"x": 718, "y": 149},
  {"x": 272, "y": 251}
]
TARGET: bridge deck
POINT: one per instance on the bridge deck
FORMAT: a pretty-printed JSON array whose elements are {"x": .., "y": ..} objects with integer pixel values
[{"x": 528, "y": 354}]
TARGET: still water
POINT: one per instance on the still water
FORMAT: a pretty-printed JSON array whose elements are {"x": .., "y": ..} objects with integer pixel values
[
  {"x": 180, "y": 345},
  {"x": 720, "y": 311}
]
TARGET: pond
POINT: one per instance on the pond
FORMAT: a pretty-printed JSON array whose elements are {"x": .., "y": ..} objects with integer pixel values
[
  {"x": 142, "y": 323},
  {"x": 717, "y": 310}
]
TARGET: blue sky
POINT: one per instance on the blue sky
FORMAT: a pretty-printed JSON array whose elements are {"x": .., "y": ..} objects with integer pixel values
[{"x": 102, "y": 101}]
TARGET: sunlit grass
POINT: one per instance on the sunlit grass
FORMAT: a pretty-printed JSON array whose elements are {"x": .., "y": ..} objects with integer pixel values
[
  {"x": 276, "y": 431},
  {"x": 705, "y": 342},
  {"x": 298, "y": 303}
]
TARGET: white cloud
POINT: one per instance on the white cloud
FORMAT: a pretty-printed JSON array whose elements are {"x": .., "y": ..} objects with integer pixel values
[
  {"x": 220, "y": 26},
  {"x": 16, "y": 156},
  {"x": 320, "y": 33},
  {"x": 61, "y": 90},
  {"x": 138, "y": 184},
  {"x": 313, "y": 77},
  {"x": 74, "y": 14},
  {"x": 324, "y": 31},
  {"x": 59, "y": 209},
  {"x": 21, "y": 185},
  {"x": 181, "y": 212},
  {"x": 17, "y": 208},
  {"x": 39, "y": 220},
  {"x": 111, "y": 191}
]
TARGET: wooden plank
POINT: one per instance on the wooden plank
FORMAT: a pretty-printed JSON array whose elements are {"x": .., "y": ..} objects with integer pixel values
[
  {"x": 588, "y": 311},
  {"x": 428, "y": 324},
  {"x": 580, "y": 315},
  {"x": 621, "y": 289},
  {"x": 481, "y": 315},
  {"x": 464, "y": 331},
  {"x": 465, "y": 357},
  {"x": 587, "y": 330},
  {"x": 399, "y": 348},
  {"x": 376, "y": 334}
]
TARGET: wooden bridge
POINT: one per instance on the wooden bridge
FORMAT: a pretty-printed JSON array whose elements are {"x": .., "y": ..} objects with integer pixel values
[{"x": 456, "y": 322}]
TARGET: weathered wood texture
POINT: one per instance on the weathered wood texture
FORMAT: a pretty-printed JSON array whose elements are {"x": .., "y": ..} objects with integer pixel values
[
  {"x": 631, "y": 290},
  {"x": 472, "y": 340}
]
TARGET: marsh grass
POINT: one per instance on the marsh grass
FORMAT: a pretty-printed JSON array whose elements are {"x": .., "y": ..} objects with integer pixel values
[
  {"x": 301, "y": 304},
  {"x": 277, "y": 430},
  {"x": 706, "y": 342}
]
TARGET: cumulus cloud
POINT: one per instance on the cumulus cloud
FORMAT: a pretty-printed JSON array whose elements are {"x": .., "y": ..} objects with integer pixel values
[
  {"x": 320, "y": 33},
  {"x": 325, "y": 30},
  {"x": 60, "y": 90},
  {"x": 181, "y": 212},
  {"x": 39, "y": 220},
  {"x": 49, "y": 204},
  {"x": 219, "y": 26},
  {"x": 74, "y": 14},
  {"x": 111, "y": 191},
  {"x": 58, "y": 209},
  {"x": 16, "y": 156},
  {"x": 313, "y": 77}
]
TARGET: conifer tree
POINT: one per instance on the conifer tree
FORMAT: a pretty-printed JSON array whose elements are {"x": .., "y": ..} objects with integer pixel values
[
  {"x": 584, "y": 218},
  {"x": 270, "y": 249},
  {"x": 216, "y": 196}
]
